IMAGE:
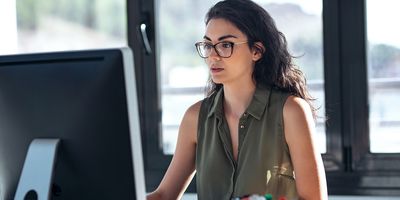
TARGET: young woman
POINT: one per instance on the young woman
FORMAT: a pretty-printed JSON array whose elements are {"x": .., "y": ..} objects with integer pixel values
[{"x": 254, "y": 133}]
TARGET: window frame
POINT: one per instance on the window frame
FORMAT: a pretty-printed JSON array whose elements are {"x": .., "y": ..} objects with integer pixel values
[
  {"x": 350, "y": 167},
  {"x": 345, "y": 40},
  {"x": 156, "y": 163}
]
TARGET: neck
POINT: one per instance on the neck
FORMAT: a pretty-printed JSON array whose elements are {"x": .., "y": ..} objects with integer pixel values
[{"x": 237, "y": 98}]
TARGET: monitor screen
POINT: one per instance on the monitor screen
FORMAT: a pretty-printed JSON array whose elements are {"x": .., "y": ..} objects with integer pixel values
[{"x": 85, "y": 101}]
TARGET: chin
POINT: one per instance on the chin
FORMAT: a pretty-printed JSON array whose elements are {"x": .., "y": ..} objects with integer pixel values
[{"x": 217, "y": 80}]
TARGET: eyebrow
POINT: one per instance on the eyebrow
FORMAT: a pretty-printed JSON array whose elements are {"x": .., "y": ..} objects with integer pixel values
[{"x": 221, "y": 38}]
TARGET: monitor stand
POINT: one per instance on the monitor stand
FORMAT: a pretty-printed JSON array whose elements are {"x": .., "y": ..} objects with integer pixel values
[{"x": 37, "y": 173}]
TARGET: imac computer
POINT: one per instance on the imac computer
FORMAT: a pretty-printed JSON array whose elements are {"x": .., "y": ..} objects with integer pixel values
[{"x": 69, "y": 126}]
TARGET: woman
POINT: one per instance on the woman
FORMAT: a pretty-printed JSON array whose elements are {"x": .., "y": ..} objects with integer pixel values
[{"x": 253, "y": 134}]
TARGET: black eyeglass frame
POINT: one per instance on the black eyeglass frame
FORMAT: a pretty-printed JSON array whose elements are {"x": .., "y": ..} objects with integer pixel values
[{"x": 198, "y": 44}]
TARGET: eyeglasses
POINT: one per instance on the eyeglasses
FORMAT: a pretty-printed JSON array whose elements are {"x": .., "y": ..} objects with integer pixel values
[{"x": 223, "y": 49}]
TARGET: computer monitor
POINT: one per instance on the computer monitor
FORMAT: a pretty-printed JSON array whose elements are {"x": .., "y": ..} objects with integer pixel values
[{"x": 84, "y": 103}]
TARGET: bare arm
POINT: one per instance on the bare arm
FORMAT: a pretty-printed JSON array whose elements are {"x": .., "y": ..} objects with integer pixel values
[
  {"x": 182, "y": 167},
  {"x": 299, "y": 132}
]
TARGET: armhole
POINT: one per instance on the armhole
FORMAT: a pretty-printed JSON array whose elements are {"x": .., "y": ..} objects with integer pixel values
[
  {"x": 288, "y": 157},
  {"x": 285, "y": 97}
]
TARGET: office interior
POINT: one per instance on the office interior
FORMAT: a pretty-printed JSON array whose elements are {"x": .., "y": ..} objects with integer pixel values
[{"x": 348, "y": 49}]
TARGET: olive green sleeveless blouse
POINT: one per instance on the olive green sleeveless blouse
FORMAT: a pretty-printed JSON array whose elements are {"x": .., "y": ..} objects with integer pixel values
[{"x": 263, "y": 164}]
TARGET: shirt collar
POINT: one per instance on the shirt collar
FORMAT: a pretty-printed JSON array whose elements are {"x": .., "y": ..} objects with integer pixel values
[
  {"x": 217, "y": 106},
  {"x": 256, "y": 108},
  {"x": 259, "y": 102}
]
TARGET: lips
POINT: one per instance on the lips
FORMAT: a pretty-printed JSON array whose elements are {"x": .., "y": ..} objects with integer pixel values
[{"x": 216, "y": 69}]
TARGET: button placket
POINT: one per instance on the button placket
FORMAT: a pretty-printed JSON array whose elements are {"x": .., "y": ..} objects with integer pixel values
[
  {"x": 242, "y": 121},
  {"x": 241, "y": 133}
]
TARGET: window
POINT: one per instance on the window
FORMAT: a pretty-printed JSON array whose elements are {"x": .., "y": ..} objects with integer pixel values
[
  {"x": 48, "y": 25},
  {"x": 383, "y": 76},
  {"x": 8, "y": 24}
]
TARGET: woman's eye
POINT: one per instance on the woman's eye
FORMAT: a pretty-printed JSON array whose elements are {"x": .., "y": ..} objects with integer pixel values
[
  {"x": 226, "y": 45},
  {"x": 208, "y": 46}
]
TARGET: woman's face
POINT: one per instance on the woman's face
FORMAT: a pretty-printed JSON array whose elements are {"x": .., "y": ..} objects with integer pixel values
[{"x": 239, "y": 66}]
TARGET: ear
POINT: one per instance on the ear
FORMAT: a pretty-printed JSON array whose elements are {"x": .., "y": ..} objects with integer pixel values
[{"x": 258, "y": 51}]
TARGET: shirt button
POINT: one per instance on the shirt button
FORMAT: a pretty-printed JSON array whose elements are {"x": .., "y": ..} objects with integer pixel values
[
  {"x": 244, "y": 114},
  {"x": 241, "y": 126}
]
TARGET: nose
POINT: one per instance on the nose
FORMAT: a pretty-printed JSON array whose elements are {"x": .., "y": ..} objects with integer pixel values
[{"x": 214, "y": 55}]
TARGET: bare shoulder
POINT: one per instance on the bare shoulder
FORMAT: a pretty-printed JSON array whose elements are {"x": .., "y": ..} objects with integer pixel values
[
  {"x": 192, "y": 112},
  {"x": 296, "y": 107},
  {"x": 298, "y": 119},
  {"x": 190, "y": 121}
]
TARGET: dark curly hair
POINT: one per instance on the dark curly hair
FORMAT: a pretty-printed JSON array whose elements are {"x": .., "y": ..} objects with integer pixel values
[{"x": 275, "y": 69}]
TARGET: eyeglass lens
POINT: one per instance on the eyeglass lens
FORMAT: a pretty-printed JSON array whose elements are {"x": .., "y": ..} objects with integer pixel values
[{"x": 223, "y": 49}]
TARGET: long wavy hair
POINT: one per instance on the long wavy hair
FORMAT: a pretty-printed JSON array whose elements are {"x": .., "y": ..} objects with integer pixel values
[{"x": 275, "y": 69}]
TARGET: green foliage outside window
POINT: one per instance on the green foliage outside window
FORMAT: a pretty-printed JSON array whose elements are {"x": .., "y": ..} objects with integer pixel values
[
  {"x": 107, "y": 16},
  {"x": 27, "y": 14}
]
